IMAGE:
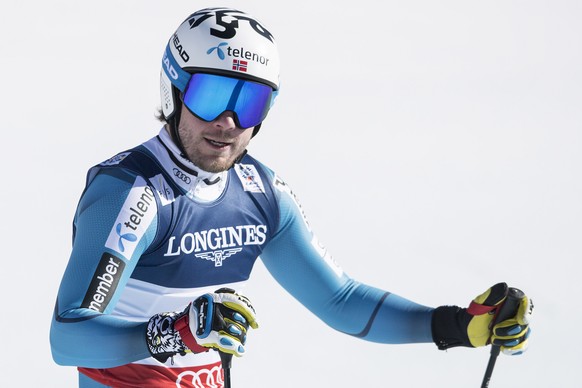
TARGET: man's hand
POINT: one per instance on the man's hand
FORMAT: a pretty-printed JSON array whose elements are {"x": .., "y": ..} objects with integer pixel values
[
  {"x": 474, "y": 326},
  {"x": 512, "y": 334},
  {"x": 218, "y": 320}
]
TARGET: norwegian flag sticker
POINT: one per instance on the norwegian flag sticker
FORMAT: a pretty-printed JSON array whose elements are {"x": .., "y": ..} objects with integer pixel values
[{"x": 239, "y": 65}]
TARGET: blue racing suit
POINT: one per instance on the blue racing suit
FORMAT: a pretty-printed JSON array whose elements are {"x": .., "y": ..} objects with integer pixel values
[{"x": 152, "y": 232}]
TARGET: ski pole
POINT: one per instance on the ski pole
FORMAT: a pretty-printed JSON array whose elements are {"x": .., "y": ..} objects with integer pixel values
[
  {"x": 507, "y": 310},
  {"x": 226, "y": 360}
]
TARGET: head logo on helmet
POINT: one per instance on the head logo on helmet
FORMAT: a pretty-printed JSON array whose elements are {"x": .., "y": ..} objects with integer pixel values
[{"x": 183, "y": 54}]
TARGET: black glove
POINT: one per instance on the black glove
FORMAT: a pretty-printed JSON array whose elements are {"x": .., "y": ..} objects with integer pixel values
[{"x": 473, "y": 326}]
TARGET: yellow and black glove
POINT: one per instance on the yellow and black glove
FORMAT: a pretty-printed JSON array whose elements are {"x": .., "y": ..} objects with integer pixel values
[
  {"x": 477, "y": 325},
  {"x": 217, "y": 320}
]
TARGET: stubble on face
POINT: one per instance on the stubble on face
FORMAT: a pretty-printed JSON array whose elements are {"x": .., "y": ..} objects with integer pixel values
[{"x": 212, "y": 146}]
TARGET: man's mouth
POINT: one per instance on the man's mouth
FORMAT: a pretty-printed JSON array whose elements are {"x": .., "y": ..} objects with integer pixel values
[{"x": 217, "y": 143}]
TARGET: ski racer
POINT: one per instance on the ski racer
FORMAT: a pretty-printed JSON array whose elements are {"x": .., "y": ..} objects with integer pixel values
[{"x": 165, "y": 236}]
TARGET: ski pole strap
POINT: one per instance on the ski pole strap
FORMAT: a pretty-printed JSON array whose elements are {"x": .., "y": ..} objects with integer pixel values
[
  {"x": 479, "y": 309},
  {"x": 182, "y": 326}
]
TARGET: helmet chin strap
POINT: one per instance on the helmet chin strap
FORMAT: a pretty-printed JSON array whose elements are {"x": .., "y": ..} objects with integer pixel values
[
  {"x": 174, "y": 122},
  {"x": 256, "y": 130}
]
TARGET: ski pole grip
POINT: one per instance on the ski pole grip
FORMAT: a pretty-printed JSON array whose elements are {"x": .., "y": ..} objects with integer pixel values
[
  {"x": 507, "y": 310},
  {"x": 510, "y": 306}
]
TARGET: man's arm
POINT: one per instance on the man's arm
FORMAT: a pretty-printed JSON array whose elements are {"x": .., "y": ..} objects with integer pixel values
[
  {"x": 306, "y": 270},
  {"x": 83, "y": 333}
]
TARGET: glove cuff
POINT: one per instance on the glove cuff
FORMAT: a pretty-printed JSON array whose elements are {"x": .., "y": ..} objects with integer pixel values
[
  {"x": 449, "y": 327},
  {"x": 164, "y": 336},
  {"x": 162, "y": 340}
]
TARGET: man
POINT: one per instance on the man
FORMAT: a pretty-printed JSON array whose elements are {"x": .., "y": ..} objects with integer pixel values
[{"x": 164, "y": 234}]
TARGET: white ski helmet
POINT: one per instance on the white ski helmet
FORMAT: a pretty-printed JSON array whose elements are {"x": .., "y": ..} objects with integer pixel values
[{"x": 219, "y": 41}]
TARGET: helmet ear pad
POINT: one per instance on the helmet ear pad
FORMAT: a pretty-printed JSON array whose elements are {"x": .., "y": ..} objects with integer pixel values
[{"x": 168, "y": 96}]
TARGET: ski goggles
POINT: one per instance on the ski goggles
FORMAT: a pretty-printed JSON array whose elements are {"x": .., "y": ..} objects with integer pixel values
[{"x": 207, "y": 96}]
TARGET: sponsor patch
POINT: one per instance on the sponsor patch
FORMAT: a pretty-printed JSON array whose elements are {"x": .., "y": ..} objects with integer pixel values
[
  {"x": 115, "y": 160},
  {"x": 104, "y": 283},
  {"x": 218, "y": 256},
  {"x": 250, "y": 178},
  {"x": 135, "y": 216},
  {"x": 163, "y": 189},
  {"x": 217, "y": 245},
  {"x": 181, "y": 175}
]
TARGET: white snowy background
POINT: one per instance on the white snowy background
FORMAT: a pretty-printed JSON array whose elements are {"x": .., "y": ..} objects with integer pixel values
[{"x": 435, "y": 146}]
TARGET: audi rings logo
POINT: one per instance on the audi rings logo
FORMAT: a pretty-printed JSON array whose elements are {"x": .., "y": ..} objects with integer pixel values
[
  {"x": 180, "y": 175},
  {"x": 203, "y": 378}
]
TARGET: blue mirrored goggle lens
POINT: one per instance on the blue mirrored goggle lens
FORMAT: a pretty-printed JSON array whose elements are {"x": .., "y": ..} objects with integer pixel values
[{"x": 209, "y": 95}]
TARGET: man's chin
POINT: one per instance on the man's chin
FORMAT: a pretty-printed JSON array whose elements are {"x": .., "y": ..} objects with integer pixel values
[{"x": 215, "y": 165}]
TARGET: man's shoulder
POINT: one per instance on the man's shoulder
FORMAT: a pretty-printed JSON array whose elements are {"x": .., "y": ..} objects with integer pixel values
[
  {"x": 249, "y": 163},
  {"x": 249, "y": 159},
  {"x": 128, "y": 164}
]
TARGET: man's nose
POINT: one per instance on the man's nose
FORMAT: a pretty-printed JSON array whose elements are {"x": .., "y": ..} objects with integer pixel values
[{"x": 225, "y": 120}]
